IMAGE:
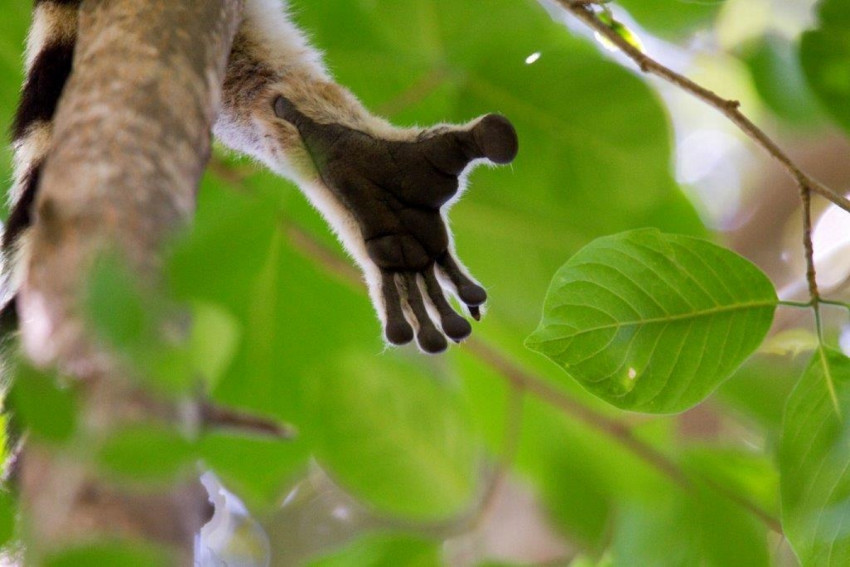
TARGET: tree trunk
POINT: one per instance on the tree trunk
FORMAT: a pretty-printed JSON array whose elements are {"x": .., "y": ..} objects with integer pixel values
[{"x": 131, "y": 139}]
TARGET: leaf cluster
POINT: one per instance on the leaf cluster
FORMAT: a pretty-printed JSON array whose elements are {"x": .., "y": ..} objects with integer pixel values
[{"x": 654, "y": 319}]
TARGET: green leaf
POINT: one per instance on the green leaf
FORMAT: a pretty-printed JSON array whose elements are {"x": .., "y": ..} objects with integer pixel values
[
  {"x": 114, "y": 554},
  {"x": 140, "y": 325},
  {"x": 214, "y": 340},
  {"x": 671, "y": 18},
  {"x": 115, "y": 305},
  {"x": 584, "y": 561},
  {"x": 148, "y": 454},
  {"x": 654, "y": 322},
  {"x": 621, "y": 30},
  {"x": 758, "y": 390},
  {"x": 778, "y": 77},
  {"x": 257, "y": 469},
  {"x": 750, "y": 474},
  {"x": 8, "y": 517},
  {"x": 698, "y": 527},
  {"x": 813, "y": 462},
  {"x": 395, "y": 437},
  {"x": 825, "y": 57},
  {"x": 385, "y": 551},
  {"x": 46, "y": 410},
  {"x": 240, "y": 262}
]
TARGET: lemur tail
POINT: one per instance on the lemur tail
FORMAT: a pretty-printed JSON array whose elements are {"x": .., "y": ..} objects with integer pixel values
[{"x": 49, "y": 56}]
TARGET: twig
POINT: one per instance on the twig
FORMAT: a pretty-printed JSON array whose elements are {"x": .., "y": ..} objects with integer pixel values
[
  {"x": 842, "y": 304},
  {"x": 814, "y": 293},
  {"x": 544, "y": 391},
  {"x": 808, "y": 246},
  {"x": 647, "y": 453},
  {"x": 730, "y": 108},
  {"x": 219, "y": 417},
  {"x": 582, "y": 10}
]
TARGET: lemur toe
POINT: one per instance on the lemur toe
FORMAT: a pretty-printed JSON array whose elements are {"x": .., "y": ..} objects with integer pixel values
[
  {"x": 475, "y": 312},
  {"x": 496, "y": 137},
  {"x": 468, "y": 291},
  {"x": 397, "y": 330},
  {"x": 429, "y": 338},
  {"x": 492, "y": 137},
  {"x": 471, "y": 294},
  {"x": 454, "y": 326}
]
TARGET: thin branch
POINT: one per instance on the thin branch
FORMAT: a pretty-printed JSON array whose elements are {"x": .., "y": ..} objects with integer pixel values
[
  {"x": 834, "y": 303},
  {"x": 215, "y": 416},
  {"x": 554, "y": 397},
  {"x": 808, "y": 247},
  {"x": 615, "y": 429},
  {"x": 582, "y": 10},
  {"x": 796, "y": 304}
]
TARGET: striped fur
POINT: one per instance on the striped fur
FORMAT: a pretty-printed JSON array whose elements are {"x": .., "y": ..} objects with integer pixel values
[
  {"x": 269, "y": 53},
  {"x": 49, "y": 57},
  {"x": 270, "y": 58}
]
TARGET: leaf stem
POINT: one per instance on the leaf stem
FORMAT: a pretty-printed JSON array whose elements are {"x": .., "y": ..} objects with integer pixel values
[
  {"x": 798, "y": 304},
  {"x": 215, "y": 416},
  {"x": 835, "y": 303}
]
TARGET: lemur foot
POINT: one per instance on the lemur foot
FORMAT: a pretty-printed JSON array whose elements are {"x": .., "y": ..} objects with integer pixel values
[{"x": 396, "y": 190}]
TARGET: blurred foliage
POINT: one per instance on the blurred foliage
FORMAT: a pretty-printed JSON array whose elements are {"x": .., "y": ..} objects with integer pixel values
[
  {"x": 281, "y": 329},
  {"x": 44, "y": 408},
  {"x": 825, "y": 55},
  {"x": 813, "y": 462},
  {"x": 125, "y": 554},
  {"x": 778, "y": 77},
  {"x": 384, "y": 551},
  {"x": 672, "y": 18}
]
